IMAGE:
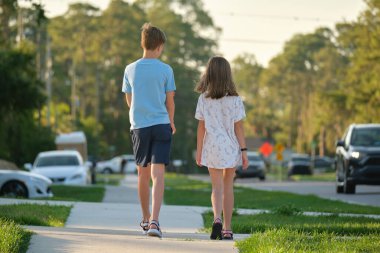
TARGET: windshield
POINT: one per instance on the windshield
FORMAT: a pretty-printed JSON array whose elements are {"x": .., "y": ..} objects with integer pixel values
[
  {"x": 300, "y": 159},
  {"x": 366, "y": 137},
  {"x": 57, "y": 161},
  {"x": 254, "y": 158}
]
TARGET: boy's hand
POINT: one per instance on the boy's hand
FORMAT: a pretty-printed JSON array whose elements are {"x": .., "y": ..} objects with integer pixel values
[
  {"x": 244, "y": 160},
  {"x": 173, "y": 128}
]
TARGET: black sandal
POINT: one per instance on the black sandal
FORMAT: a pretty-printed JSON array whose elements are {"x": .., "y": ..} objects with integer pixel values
[
  {"x": 154, "y": 231},
  {"x": 216, "y": 232},
  {"x": 227, "y": 235},
  {"x": 145, "y": 226}
]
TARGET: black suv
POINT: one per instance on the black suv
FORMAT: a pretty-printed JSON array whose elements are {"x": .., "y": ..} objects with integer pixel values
[{"x": 357, "y": 159}]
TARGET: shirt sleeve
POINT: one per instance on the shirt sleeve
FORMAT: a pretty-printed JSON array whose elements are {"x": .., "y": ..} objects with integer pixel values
[
  {"x": 126, "y": 85},
  {"x": 199, "y": 111},
  {"x": 239, "y": 110},
  {"x": 170, "y": 83}
]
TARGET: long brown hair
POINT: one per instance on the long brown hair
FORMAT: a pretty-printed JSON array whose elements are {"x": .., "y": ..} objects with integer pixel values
[{"x": 216, "y": 82}]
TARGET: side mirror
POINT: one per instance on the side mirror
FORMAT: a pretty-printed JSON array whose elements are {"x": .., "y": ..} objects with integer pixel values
[
  {"x": 340, "y": 143},
  {"x": 28, "y": 166}
]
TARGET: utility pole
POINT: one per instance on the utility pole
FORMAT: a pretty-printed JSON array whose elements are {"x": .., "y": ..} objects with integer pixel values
[
  {"x": 48, "y": 74},
  {"x": 73, "y": 93}
]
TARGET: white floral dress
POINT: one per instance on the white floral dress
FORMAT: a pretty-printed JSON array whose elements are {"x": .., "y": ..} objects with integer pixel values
[{"x": 220, "y": 146}]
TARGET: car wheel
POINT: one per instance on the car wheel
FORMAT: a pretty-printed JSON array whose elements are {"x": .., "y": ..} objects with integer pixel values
[
  {"x": 14, "y": 189},
  {"x": 107, "y": 171},
  {"x": 262, "y": 178},
  {"x": 348, "y": 187}
]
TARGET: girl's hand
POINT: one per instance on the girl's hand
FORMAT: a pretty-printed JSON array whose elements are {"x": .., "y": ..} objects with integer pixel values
[
  {"x": 199, "y": 157},
  {"x": 244, "y": 160}
]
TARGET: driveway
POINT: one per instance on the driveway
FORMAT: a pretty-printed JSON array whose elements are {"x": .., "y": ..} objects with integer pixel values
[{"x": 365, "y": 195}]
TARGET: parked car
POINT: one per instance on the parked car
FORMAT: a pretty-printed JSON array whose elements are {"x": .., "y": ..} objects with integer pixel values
[
  {"x": 357, "y": 158},
  {"x": 256, "y": 167},
  {"x": 118, "y": 164},
  {"x": 22, "y": 184},
  {"x": 62, "y": 167},
  {"x": 322, "y": 163},
  {"x": 299, "y": 164},
  {"x": 113, "y": 165}
]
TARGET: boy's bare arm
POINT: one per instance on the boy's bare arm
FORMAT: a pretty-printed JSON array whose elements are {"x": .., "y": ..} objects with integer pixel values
[
  {"x": 170, "y": 106},
  {"x": 239, "y": 132},
  {"x": 128, "y": 98},
  {"x": 200, "y": 137}
]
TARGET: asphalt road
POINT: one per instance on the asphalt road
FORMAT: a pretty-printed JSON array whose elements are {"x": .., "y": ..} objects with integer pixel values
[{"x": 365, "y": 195}]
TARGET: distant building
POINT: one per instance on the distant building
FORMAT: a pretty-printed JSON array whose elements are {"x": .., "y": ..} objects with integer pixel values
[{"x": 72, "y": 141}]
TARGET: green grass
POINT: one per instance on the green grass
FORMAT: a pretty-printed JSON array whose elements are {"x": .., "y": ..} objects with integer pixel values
[
  {"x": 33, "y": 214},
  {"x": 109, "y": 179},
  {"x": 180, "y": 190},
  {"x": 288, "y": 241},
  {"x": 323, "y": 177},
  {"x": 78, "y": 193},
  {"x": 353, "y": 226},
  {"x": 13, "y": 238}
]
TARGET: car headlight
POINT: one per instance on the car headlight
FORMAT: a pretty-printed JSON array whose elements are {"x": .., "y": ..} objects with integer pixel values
[
  {"x": 357, "y": 154},
  {"x": 76, "y": 176}
]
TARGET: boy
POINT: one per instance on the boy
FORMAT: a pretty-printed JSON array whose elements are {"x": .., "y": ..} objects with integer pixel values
[{"x": 149, "y": 87}]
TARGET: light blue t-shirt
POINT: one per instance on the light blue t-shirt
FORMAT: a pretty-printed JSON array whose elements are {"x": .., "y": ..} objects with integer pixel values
[{"x": 148, "y": 80}]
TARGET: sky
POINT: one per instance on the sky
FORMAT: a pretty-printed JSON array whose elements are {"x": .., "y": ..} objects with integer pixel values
[{"x": 258, "y": 27}]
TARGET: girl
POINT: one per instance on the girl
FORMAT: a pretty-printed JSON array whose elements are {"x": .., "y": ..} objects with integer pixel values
[{"x": 220, "y": 139}]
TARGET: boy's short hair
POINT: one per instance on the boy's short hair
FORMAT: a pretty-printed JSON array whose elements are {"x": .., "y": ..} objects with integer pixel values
[{"x": 151, "y": 37}]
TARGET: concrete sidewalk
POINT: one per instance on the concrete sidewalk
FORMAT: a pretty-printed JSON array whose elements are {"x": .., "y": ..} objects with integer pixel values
[{"x": 113, "y": 226}]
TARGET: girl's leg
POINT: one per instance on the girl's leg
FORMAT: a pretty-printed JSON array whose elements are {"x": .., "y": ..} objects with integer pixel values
[
  {"x": 217, "y": 191},
  {"x": 228, "y": 197}
]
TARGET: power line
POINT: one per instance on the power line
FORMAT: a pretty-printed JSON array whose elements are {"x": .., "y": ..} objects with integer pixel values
[
  {"x": 294, "y": 18},
  {"x": 254, "y": 41}
]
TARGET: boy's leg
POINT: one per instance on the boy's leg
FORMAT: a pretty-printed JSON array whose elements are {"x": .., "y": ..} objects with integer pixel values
[
  {"x": 217, "y": 191},
  {"x": 143, "y": 189},
  {"x": 158, "y": 171},
  {"x": 228, "y": 197}
]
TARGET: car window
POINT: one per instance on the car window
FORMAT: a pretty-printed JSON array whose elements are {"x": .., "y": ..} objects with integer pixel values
[
  {"x": 366, "y": 137},
  {"x": 57, "y": 161},
  {"x": 254, "y": 158},
  {"x": 300, "y": 159}
]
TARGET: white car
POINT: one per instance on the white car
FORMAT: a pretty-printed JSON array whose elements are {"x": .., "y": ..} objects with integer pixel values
[
  {"x": 62, "y": 167},
  {"x": 23, "y": 184},
  {"x": 109, "y": 166},
  {"x": 118, "y": 164}
]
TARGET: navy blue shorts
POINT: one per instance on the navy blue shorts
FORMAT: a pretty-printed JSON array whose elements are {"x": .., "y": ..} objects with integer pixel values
[{"x": 152, "y": 144}]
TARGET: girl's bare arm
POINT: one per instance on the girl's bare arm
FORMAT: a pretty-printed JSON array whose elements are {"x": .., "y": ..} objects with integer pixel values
[
  {"x": 200, "y": 137},
  {"x": 239, "y": 131}
]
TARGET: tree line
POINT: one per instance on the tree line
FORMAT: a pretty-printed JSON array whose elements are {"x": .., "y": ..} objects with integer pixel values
[
  {"x": 319, "y": 84},
  {"x": 65, "y": 74}
]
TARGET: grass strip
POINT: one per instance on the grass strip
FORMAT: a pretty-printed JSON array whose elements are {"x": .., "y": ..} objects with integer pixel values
[
  {"x": 351, "y": 226},
  {"x": 33, "y": 214},
  {"x": 78, "y": 193},
  {"x": 290, "y": 241},
  {"x": 109, "y": 179},
  {"x": 13, "y": 238},
  {"x": 180, "y": 190}
]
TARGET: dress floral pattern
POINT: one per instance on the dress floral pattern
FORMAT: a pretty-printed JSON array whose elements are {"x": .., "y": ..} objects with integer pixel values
[{"x": 220, "y": 146}]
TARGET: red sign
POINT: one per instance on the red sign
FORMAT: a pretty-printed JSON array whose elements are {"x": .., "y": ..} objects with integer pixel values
[{"x": 266, "y": 149}]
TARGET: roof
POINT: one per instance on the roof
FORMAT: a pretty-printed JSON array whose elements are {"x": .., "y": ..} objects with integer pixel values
[
  {"x": 59, "y": 152},
  {"x": 365, "y": 125},
  {"x": 69, "y": 138}
]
